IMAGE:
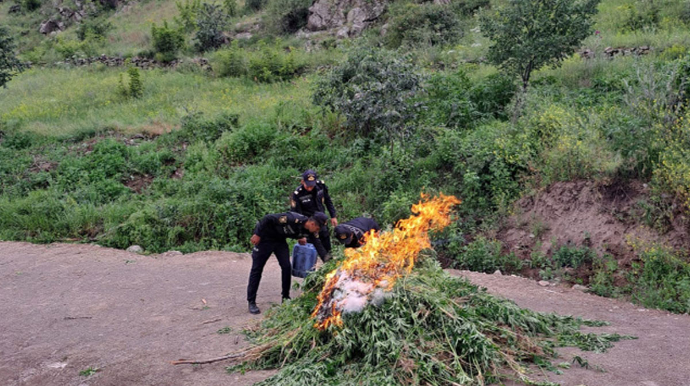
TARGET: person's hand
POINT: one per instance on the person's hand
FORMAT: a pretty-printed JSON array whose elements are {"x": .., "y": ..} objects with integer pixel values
[
  {"x": 255, "y": 239},
  {"x": 302, "y": 241},
  {"x": 334, "y": 222}
]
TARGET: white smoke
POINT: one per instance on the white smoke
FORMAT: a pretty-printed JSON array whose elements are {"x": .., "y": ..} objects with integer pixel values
[{"x": 352, "y": 295}]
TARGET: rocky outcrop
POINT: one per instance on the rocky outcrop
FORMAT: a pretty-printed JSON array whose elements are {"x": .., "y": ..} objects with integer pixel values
[
  {"x": 347, "y": 17},
  {"x": 63, "y": 16},
  {"x": 611, "y": 52},
  {"x": 143, "y": 63},
  {"x": 51, "y": 25}
]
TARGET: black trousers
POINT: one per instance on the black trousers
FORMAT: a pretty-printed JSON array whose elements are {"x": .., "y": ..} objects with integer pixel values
[
  {"x": 260, "y": 255},
  {"x": 323, "y": 243}
]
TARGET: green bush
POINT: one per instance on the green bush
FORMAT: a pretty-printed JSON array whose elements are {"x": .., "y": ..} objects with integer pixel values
[
  {"x": 375, "y": 90},
  {"x": 232, "y": 62},
  {"x": 167, "y": 42},
  {"x": 641, "y": 14},
  {"x": 187, "y": 14},
  {"x": 135, "y": 88},
  {"x": 484, "y": 255},
  {"x": 195, "y": 128},
  {"x": 413, "y": 24},
  {"x": 486, "y": 165},
  {"x": 454, "y": 101},
  {"x": 31, "y": 5},
  {"x": 246, "y": 143},
  {"x": 211, "y": 21},
  {"x": 254, "y": 5},
  {"x": 288, "y": 16},
  {"x": 573, "y": 257},
  {"x": 602, "y": 282},
  {"x": 93, "y": 29},
  {"x": 271, "y": 64},
  {"x": 663, "y": 280},
  {"x": 684, "y": 14},
  {"x": 231, "y": 8},
  {"x": 468, "y": 7}
]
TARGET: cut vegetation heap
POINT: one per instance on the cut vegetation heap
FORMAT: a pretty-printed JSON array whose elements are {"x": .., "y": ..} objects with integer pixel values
[{"x": 430, "y": 328}]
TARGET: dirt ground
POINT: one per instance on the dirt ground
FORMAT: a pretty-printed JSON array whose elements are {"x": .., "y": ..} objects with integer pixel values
[{"x": 66, "y": 308}]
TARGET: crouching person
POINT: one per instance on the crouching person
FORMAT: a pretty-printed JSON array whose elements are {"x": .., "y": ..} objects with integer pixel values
[
  {"x": 270, "y": 236},
  {"x": 351, "y": 233}
]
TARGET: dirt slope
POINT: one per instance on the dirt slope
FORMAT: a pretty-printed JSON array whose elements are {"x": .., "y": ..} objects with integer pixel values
[
  {"x": 659, "y": 357},
  {"x": 69, "y": 307},
  {"x": 604, "y": 217}
]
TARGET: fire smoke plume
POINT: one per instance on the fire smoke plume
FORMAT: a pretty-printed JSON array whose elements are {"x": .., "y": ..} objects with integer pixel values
[{"x": 371, "y": 270}]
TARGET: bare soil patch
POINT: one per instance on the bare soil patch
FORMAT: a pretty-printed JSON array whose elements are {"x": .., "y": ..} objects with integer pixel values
[
  {"x": 606, "y": 218},
  {"x": 67, "y": 308}
]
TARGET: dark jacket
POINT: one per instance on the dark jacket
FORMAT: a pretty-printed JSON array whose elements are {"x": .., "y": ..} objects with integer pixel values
[
  {"x": 288, "y": 225},
  {"x": 281, "y": 226},
  {"x": 354, "y": 231},
  {"x": 308, "y": 203}
]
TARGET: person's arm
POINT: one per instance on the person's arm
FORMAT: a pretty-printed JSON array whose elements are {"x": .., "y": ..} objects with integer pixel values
[
  {"x": 374, "y": 225},
  {"x": 329, "y": 204},
  {"x": 320, "y": 248},
  {"x": 295, "y": 203},
  {"x": 263, "y": 224}
]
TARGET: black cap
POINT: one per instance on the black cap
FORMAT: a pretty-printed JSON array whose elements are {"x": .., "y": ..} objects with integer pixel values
[
  {"x": 320, "y": 218},
  {"x": 309, "y": 177},
  {"x": 343, "y": 234}
]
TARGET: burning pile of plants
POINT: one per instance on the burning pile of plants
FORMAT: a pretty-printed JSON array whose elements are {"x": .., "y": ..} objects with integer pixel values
[{"x": 387, "y": 314}]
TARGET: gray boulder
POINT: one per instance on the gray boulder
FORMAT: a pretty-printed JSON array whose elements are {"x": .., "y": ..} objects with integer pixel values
[
  {"x": 349, "y": 17},
  {"x": 135, "y": 249},
  {"x": 50, "y": 25}
]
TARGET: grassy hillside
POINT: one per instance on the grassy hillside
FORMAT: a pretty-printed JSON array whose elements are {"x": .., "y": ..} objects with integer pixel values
[
  {"x": 65, "y": 101},
  {"x": 223, "y": 147}
]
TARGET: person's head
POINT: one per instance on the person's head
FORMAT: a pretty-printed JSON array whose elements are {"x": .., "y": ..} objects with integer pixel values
[
  {"x": 309, "y": 179},
  {"x": 343, "y": 234},
  {"x": 316, "y": 222}
]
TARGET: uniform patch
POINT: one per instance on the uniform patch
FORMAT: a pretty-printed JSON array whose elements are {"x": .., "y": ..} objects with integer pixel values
[
  {"x": 343, "y": 236},
  {"x": 311, "y": 178},
  {"x": 282, "y": 219}
]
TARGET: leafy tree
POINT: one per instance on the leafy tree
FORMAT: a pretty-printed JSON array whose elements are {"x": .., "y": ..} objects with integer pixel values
[
  {"x": 9, "y": 64},
  {"x": 210, "y": 23},
  {"x": 166, "y": 41},
  {"x": 428, "y": 23},
  {"x": 136, "y": 87},
  {"x": 375, "y": 91},
  {"x": 188, "y": 14},
  {"x": 231, "y": 7},
  {"x": 529, "y": 34}
]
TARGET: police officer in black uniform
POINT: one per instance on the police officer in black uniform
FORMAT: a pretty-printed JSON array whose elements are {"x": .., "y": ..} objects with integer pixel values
[
  {"x": 311, "y": 197},
  {"x": 269, "y": 237},
  {"x": 351, "y": 233}
]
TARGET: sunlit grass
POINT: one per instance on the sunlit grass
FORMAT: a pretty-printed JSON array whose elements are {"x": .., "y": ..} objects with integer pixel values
[{"x": 64, "y": 101}]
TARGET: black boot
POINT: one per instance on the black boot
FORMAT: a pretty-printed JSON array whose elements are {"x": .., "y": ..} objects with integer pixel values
[{"x": 253, "y": 309}]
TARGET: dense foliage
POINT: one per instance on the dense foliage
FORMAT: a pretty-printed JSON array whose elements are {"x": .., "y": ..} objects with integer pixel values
[
  {"x": 530, "y": 34},
  {"x": 9, "y": 63},
  {"x": 430, "y": 329},
  {"x": 189, "y": 158},
  {"x": 375, "y": 90}
]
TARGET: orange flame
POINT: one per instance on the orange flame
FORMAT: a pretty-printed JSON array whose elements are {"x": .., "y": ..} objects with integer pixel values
[{"x": 380, "y": 261}]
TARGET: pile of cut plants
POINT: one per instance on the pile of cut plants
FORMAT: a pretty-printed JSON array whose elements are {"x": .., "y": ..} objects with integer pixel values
[{"x": 387, "y": 314}]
